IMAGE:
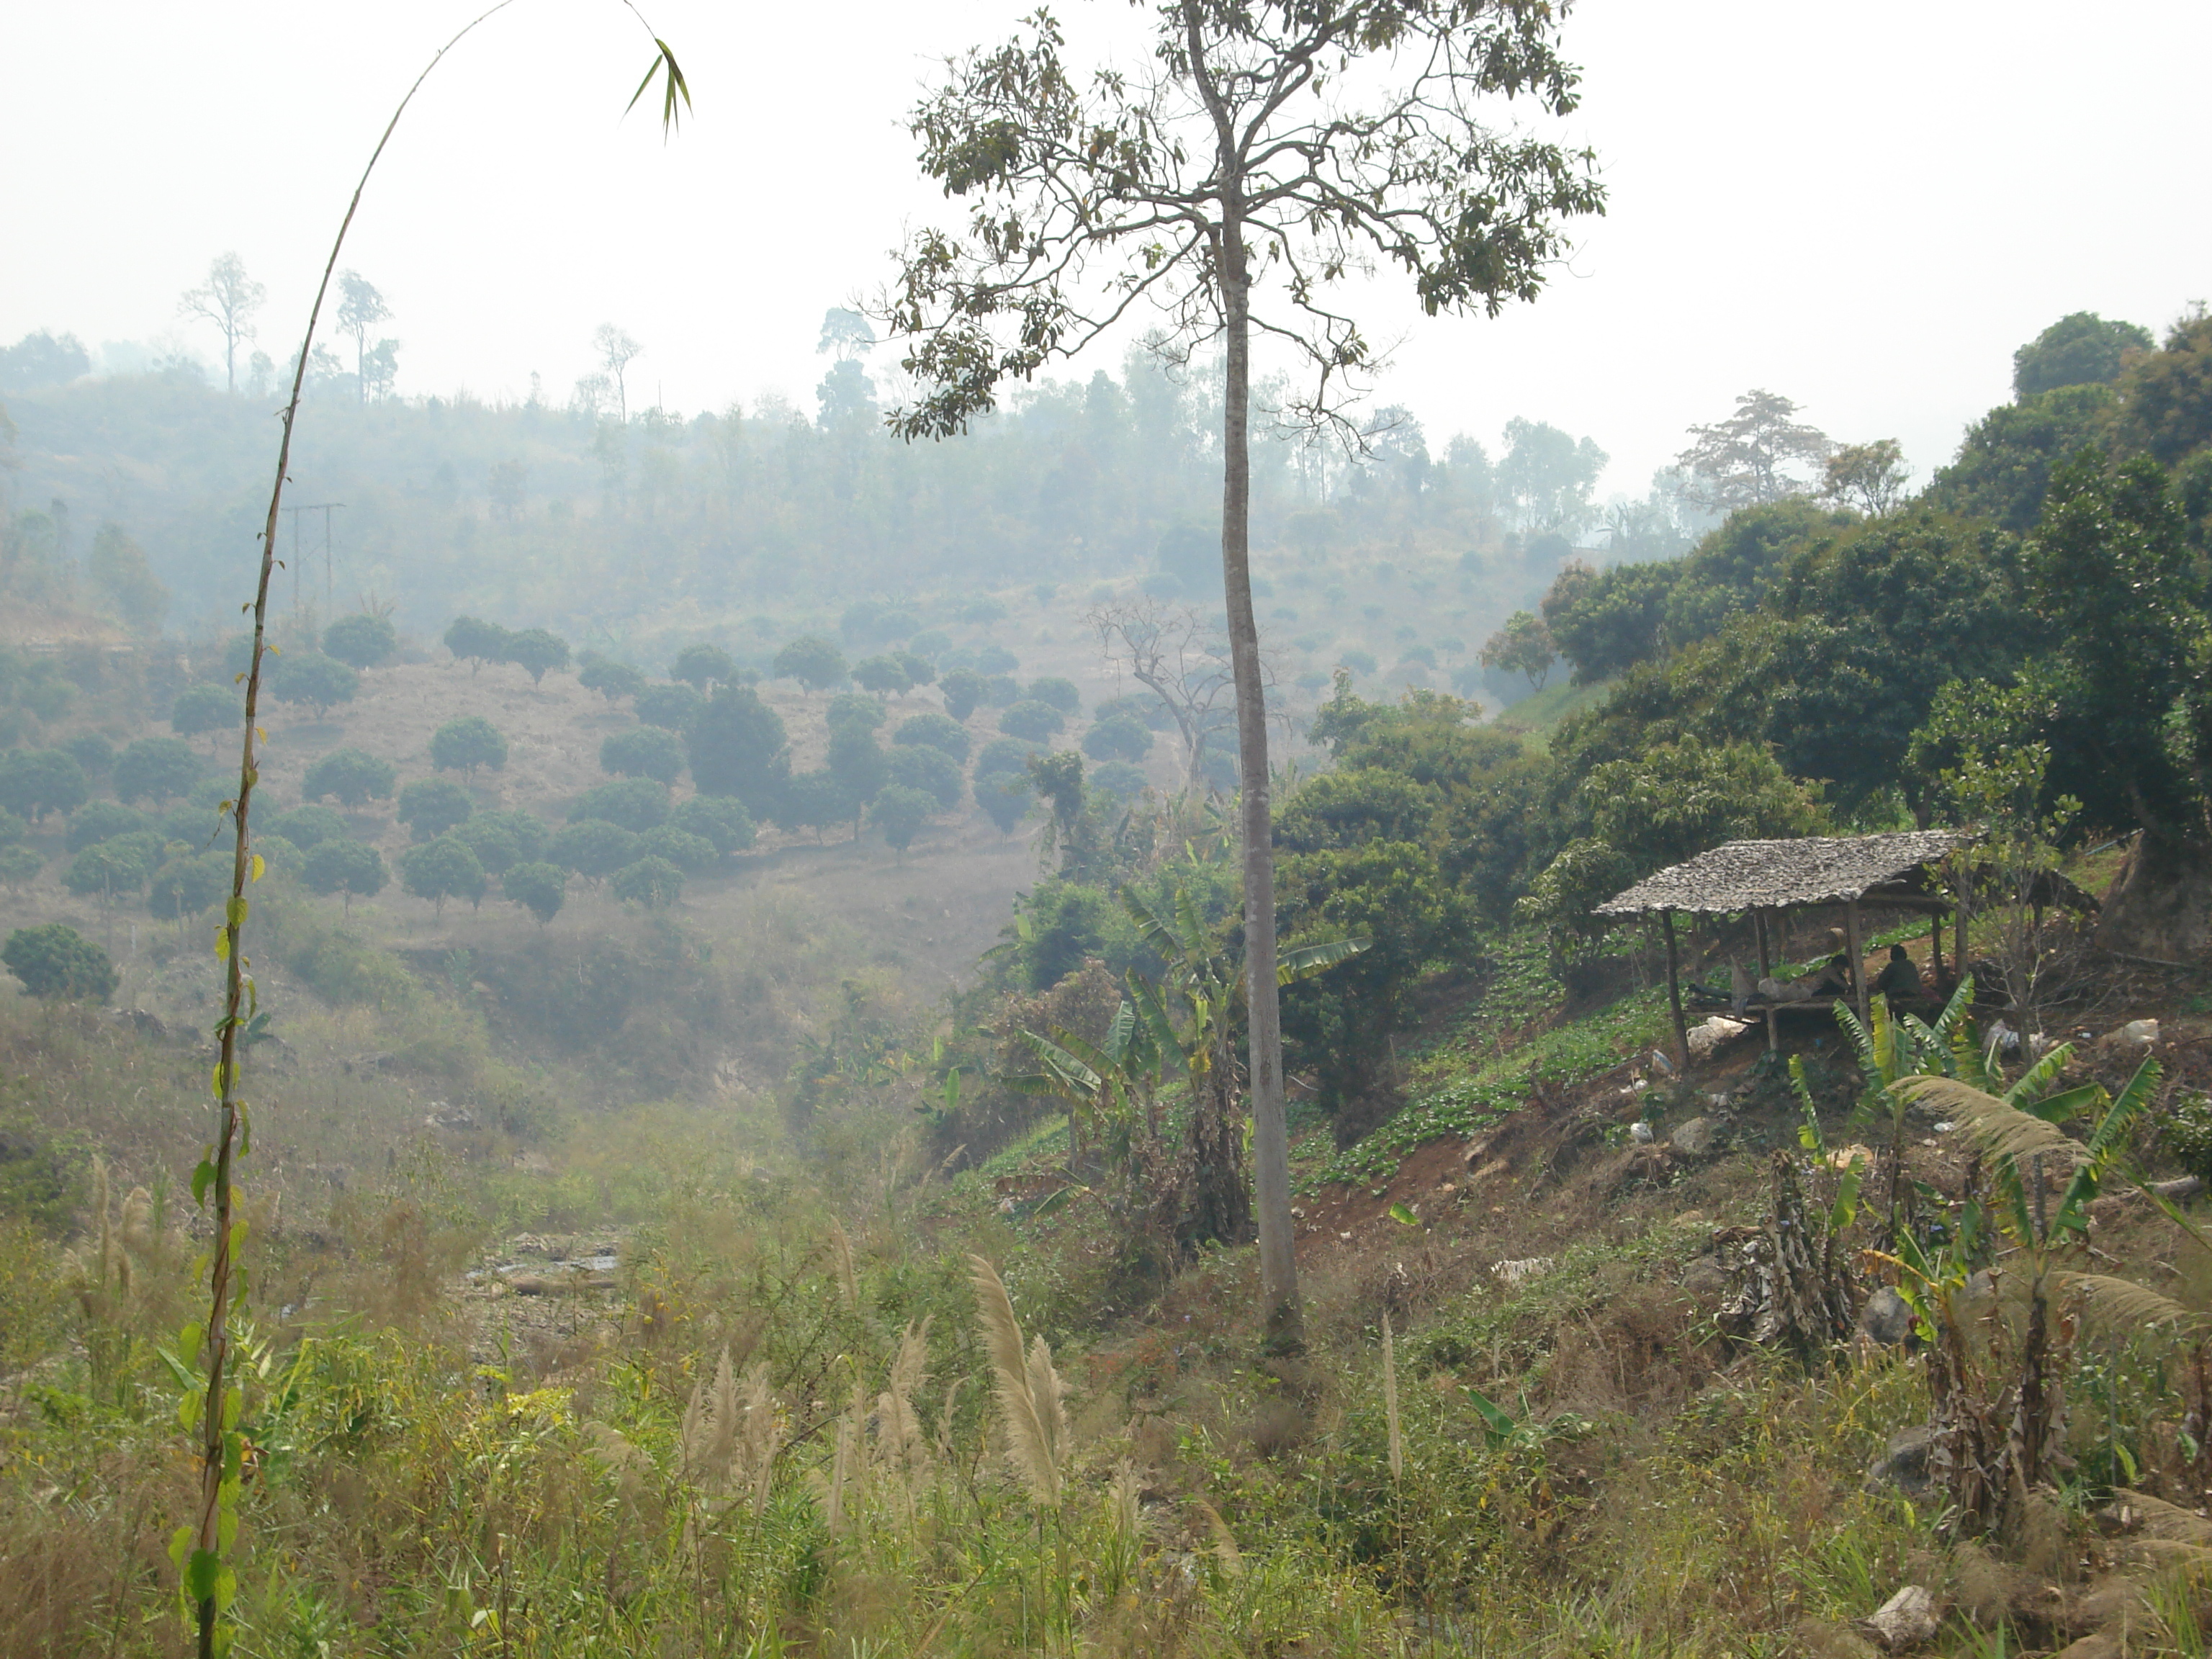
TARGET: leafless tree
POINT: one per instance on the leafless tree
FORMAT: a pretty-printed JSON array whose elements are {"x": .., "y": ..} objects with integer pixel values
[
  {"x": 228, "y": 299},
  {"x": 616, "y": 349},
  {"x": 1180, "y": 657}
]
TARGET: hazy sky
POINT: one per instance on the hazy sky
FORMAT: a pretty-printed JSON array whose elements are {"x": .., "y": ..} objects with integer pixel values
[{"x": 1864, "y": 208}]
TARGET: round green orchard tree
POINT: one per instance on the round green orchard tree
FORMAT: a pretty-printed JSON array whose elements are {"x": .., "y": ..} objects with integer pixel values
[
  {"x": 313, "y": 679},
  {"x": 156, "y": 768},
  {"x": 720, "y": 820},
  {"x": 647, "y": 752},
  {"x": 439, "y": 869},
  {"x": 36, "y": 781},
  {"x": 361, "y": 640},
  {"x": 351, "y": 869},
  {"x": 609, "y": 679},
  {"x": 898, "y": 813},
  {"x": 540, "y": 888},
  {"x": 813, "y": 662},
  {"x": 204, "y": 708},
  {"x": 537, "y": 651},
  {"x": 651, "y": 882},
  {"x": 350, "y": 777},
  {"x": 431, "y": 806},
  {"x": 57, "y": 962},
  {"x": 935, "y": 731},
  {"x": 704, "y": 666},
  {"x": 463, "y": 744}
]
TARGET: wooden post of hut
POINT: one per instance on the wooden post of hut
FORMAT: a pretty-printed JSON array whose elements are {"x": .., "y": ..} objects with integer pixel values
[
  {"x": 1858, "y": 965},
  {"x": 1674, "y": 991}
]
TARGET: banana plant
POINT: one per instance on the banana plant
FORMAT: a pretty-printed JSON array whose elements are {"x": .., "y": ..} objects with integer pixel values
[
  {"x": 1890, "y": 1047},
  {"x": 1999, "y": 1437}
]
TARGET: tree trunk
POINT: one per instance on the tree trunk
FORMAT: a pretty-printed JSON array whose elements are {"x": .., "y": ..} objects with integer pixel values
[
  {"x": 2163, "y": 907},
  {"x": 1271, "y": 1141}
]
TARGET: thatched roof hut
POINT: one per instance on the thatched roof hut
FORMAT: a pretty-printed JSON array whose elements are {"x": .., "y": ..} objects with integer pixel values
[
  {"x": 1762, "y": 878},
  {"x": 1784, "y": 875}
]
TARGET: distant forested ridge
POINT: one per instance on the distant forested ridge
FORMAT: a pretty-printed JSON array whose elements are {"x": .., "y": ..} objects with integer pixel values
[{"x": 579, "y": 519}]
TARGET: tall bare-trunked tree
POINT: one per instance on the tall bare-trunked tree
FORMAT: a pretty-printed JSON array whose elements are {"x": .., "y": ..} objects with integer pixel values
[{"x": 1270, "y": 150}]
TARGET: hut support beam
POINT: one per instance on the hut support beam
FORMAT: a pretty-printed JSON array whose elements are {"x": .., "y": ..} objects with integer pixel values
[
  {"x": 1674, "y": 991},
  {"x": 1936, "y": 951},
  {"x": 1858, "y": 954},
  {"x": 1765, "y": 973}
]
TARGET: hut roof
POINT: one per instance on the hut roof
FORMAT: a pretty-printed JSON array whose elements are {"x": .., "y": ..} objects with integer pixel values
[{"x": 1771, "y": 875}]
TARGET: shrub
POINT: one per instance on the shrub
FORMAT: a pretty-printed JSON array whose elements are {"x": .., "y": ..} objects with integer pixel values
[
  {"x": 1060, "y": 693},
  {"x": 932, "y": 771},
  {"x": 537, "y": 651},
  {"x": 647, "y": 752},
  {"x": 635, "y": 804},
  {"x": 716, "y": 818},
  {"x": 674, "y": 706},
  {"x": 361, "y": 640},
  {"x": 592, "y": 847},
  {"x": 476, "y": 642},
  {"x": 463, "y": 744},
  {"x": 704, "y": 666},
  {"x": 56, "y": 961},
  {"x": 36, "y": 781},
  {"x": 654, "y": 883},
  {"x": 995, "y": 660},
  {"x": 442, "y": 869},
  {"x": 609, "y": 679},
  {"x": 813, "y": 662},
  {"x": 350, "y": 777},
  {"x": 100, "y": 820},
  {"x": 201, "y": 708},
  {"x": 540, "y": 888},
  {"x": 189, "y": 884},
  {"x": 155, "y": 768},
  {"x": 687, "y": 851},
  {"x": 1000, "y": 691},
  {"x": 308, "y": 827},
  {"x": 899, "y": 813},
  {"x": 431, "y": 806},
  {"x": 929, "y": 645},
  {"x": 1118, "y": 737},
  {"x": 339, "y": 865},
  {"x": 935, "y": 731},
  {"x": 19, "y": 864},
  {"x": 314, "y": 680}
]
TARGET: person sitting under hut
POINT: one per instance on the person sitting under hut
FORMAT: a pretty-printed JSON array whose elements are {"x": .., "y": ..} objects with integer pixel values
[
  {"x": 1833, "y": 979},
  {"x": 1898, "y": 978}
]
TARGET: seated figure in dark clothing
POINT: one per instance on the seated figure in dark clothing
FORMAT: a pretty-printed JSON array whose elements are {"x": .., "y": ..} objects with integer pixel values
[
  {"x": 1898, "y": 978},
  {"x": 1834, "y": 980}
]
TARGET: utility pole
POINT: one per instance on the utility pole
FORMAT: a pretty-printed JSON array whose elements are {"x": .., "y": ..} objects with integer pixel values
[{"x": 325, "y": 508}]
